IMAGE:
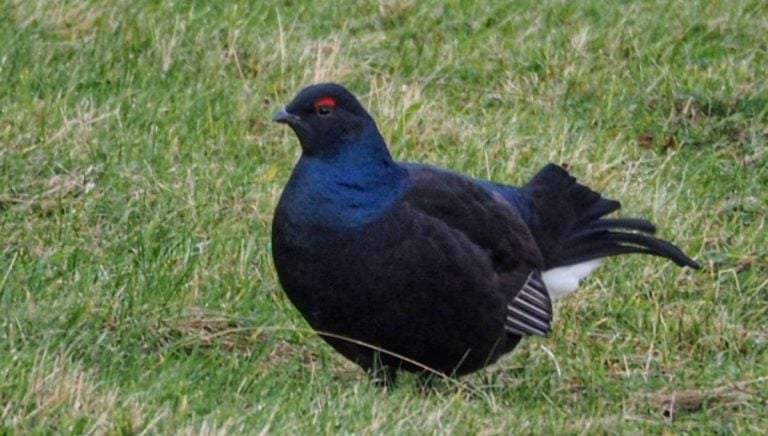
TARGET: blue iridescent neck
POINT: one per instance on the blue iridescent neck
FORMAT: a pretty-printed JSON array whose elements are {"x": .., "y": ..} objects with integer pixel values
[{"x": 348, "y": 188}]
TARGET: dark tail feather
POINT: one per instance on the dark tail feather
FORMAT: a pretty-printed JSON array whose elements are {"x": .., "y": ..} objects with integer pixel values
[
  {"x": 600, "y": 226},
  {"x": 571, "y": 229},
  {"x": 609, "y": 243}
]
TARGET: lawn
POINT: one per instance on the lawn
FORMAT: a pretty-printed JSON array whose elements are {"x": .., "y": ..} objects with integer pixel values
[{"x": 139, "y": 172}]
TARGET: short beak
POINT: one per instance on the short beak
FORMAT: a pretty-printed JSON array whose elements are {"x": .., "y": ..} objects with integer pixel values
[{"x": 285, "y": 117}]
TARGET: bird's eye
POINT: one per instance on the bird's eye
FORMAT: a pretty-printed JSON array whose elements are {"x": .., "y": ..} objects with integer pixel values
[{"x": 323, "y": 111}]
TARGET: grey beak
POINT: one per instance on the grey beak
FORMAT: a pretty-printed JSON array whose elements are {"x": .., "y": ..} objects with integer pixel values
[{"x": 285, "y": 117}]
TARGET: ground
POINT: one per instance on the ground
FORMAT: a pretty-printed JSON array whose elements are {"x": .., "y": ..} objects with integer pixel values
[{"x": 139, "y": 172}]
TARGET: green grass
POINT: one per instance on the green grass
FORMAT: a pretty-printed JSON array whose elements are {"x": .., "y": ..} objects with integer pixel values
[{"x": 139, "y": 172}]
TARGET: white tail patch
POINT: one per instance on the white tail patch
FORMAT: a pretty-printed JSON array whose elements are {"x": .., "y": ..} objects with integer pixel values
[{"x": 563, "y": 280}]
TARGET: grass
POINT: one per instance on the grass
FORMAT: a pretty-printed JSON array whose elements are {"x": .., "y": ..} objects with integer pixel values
[{"x": 139, "y": 172}]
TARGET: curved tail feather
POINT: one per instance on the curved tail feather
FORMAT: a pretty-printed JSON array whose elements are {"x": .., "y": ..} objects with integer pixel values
[{"x": 570, "y": 227}]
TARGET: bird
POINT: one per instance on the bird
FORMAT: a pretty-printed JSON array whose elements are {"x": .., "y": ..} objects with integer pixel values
[{"x": 404, "y": 266}]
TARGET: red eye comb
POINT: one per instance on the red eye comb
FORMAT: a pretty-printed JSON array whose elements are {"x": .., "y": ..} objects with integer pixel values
[{"x": 325, "y": 101}]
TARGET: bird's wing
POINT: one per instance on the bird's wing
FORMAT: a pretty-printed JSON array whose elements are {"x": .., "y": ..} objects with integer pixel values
[
  {"x": 488, "y": 221},
  {"x": 483, "y": 216}
]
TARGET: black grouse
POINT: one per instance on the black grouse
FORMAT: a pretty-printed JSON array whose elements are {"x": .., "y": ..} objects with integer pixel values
[{"x": 408, "y": 266}]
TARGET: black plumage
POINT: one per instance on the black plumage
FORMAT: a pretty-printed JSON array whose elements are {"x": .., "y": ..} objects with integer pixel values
[{"x": 408, "y": 266}]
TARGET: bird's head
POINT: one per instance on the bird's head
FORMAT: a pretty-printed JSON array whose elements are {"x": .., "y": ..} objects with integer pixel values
[{"x": 327, "y": 117}]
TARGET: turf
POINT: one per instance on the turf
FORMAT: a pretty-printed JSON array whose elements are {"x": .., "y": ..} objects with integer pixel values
[{"x": 139, "y": 172}]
